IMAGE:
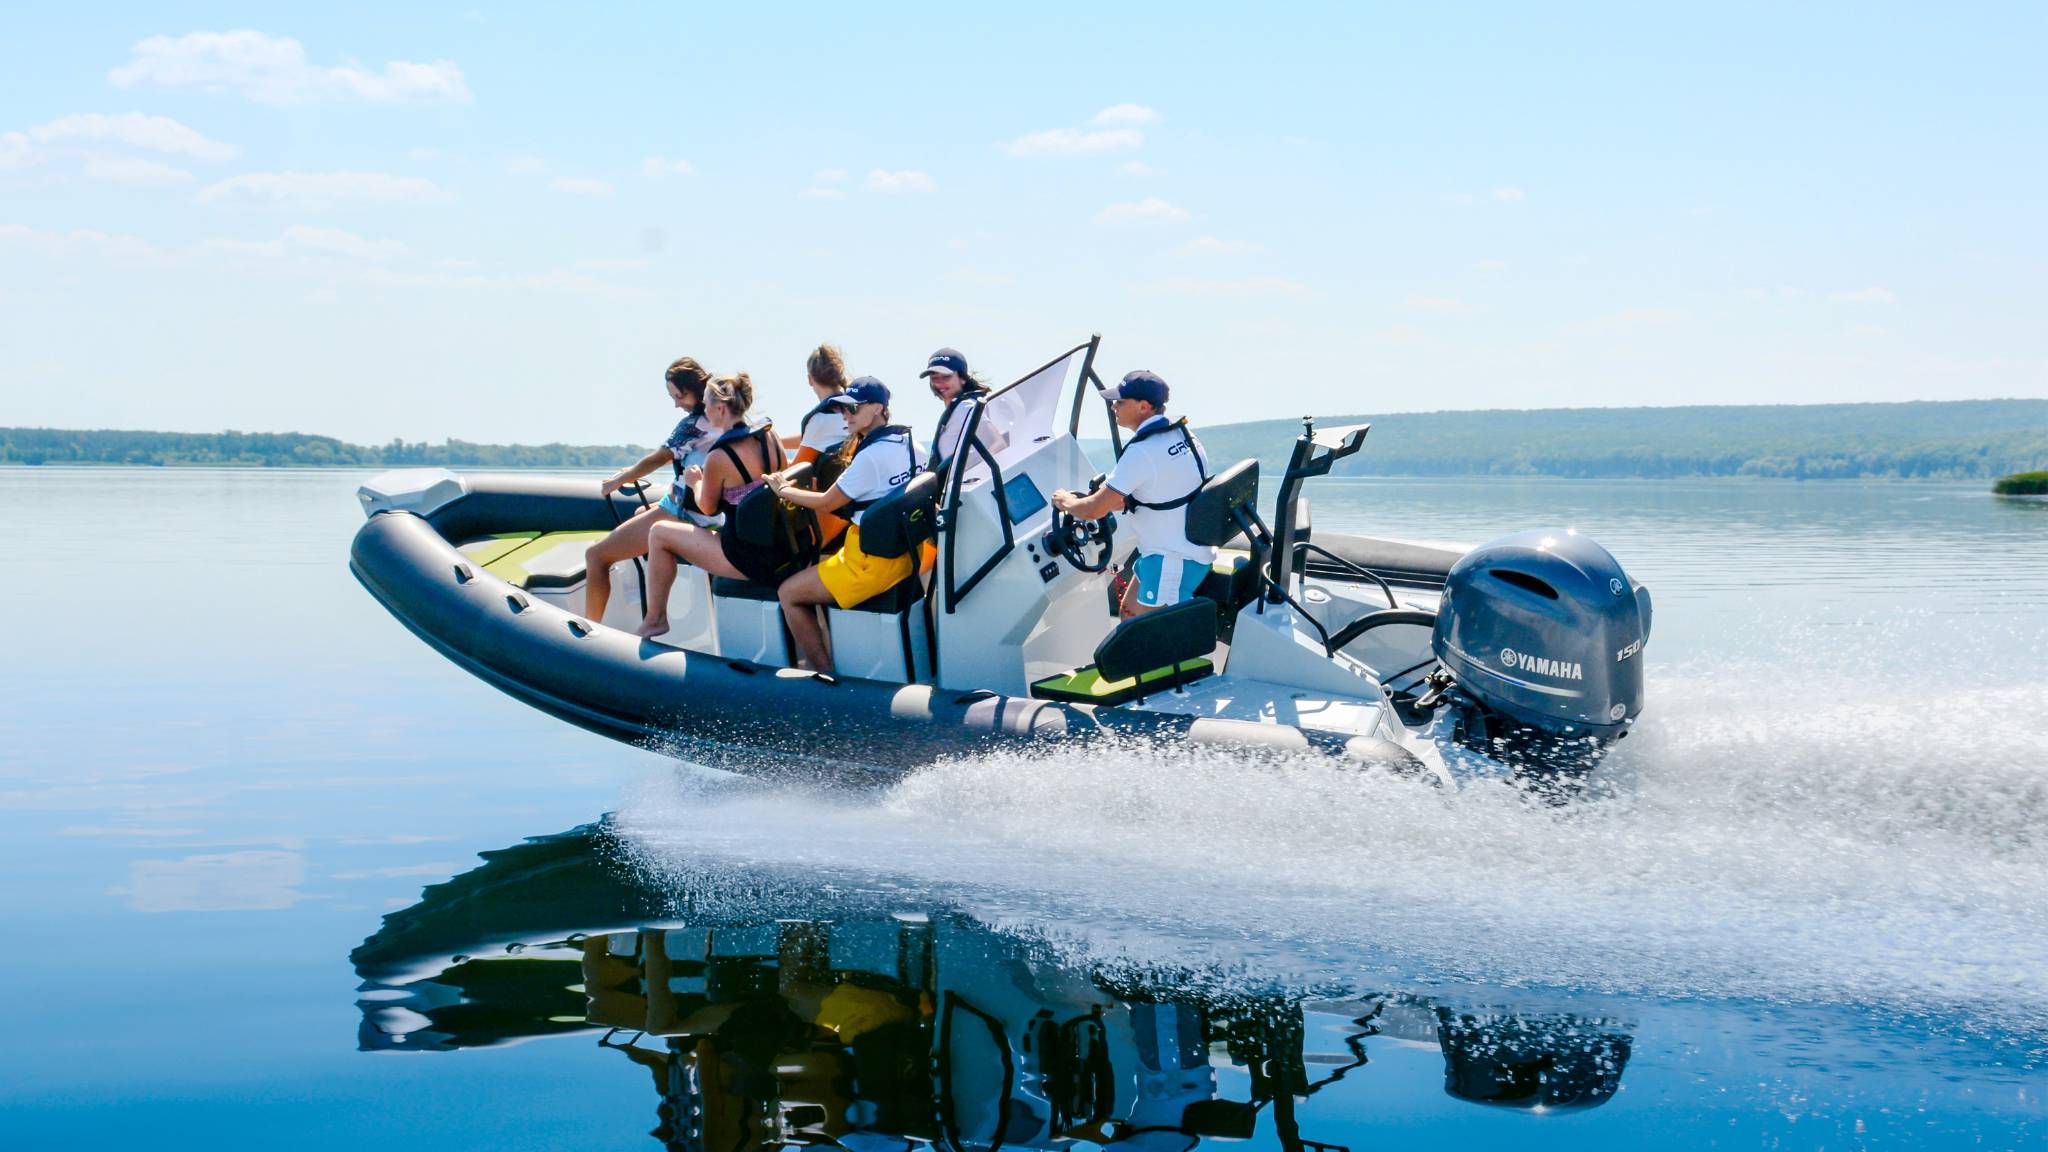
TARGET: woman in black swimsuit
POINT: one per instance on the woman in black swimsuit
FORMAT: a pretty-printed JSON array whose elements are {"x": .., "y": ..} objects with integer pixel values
[{"x": 740, "y": 456}]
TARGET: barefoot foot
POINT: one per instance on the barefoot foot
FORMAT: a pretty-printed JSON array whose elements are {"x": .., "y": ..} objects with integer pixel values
[{"x": 652, "y": 628}]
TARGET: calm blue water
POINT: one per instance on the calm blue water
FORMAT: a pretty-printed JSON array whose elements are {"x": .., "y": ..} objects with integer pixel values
[{"x": 1805, "y": 911}]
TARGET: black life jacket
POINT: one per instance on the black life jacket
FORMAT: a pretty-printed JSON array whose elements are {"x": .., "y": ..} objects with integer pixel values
[
  {"x": 1132, "y": 503},
  {"x": 759, "y": 519},
  {"x": 803, "y": 426},
  {"x": 977, "y": 393},
  {"x": 894, "y": 433},
  {"x": 764, "y": 433}
]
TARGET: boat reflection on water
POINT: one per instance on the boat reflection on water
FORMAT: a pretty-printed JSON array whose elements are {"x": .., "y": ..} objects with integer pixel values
[{"x": 768, "y": 1011}]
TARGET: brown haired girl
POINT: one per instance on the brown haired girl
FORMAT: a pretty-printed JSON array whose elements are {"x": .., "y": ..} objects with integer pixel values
[
  {"x": 822, "y": 430},
  {"x": 685, "y": 379}
]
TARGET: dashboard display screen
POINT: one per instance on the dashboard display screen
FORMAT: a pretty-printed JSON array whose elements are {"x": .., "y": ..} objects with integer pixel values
[{"x": 1023, "y": 497}]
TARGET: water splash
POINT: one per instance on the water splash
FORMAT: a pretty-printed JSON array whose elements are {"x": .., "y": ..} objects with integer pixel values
[{"x": 1849, "y": 838}]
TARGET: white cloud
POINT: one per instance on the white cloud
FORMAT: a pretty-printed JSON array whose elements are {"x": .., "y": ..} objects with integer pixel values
[
  {"x": 1254, "y": 288},
  {"x": 1075, "y": 142},
  {"x": 904, "y": 181},
  {"x": 1212, "y": 246},
  {"x": 1150, "y": 210},
  {"x": 1439, "y": 305},
  {"x": 658, "y": 166},
  {"x": 274, "y": 70},
  {"x": 1871, "y": 295},
  {"x": 66, "y": 243},
  {"x": 134, "y": 170},
  {"x": 1136, "y": 114},
  {"x": 320, "y": 189},
  {"x": 974, "y": 278},
  {"x": 1650, "y": 316},
  {"x": 136, "y": 130},
  {"x": 15, "y": 152},
  {"x": 1137, "y": 168},
  {"x": 340, "y": 243},
  {"x": 616, "y": 264},
  {"x": 1507, "y": 195},
  {"x": 822, "y": 183},
  {"x": 580, "y": 186},
  {"x": 402, "y": 871},
  {"x": 560, "y": 280},
  {"x": 231, "y": 882},
  {"x": 525, "y": 165}
]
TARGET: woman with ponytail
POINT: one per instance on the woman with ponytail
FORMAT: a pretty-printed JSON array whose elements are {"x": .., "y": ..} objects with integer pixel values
[{"x": 741, "y": 456}]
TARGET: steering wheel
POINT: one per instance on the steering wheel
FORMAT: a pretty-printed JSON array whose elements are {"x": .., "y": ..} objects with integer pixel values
[{"x": 1072, "y": 538}]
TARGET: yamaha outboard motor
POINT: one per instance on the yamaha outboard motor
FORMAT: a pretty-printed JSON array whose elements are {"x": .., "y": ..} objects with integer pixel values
[{"x": 1542, "y": 635}]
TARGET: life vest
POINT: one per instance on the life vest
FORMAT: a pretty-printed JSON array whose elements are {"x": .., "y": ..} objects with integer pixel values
[
  {"x": 685, "y": 432},
  {"x": 803, "y": 426},
  {"x": 976, "y": 393},
  {"x": 728, "y": 442},
  {"x": 892, "y": 434},
  {"x": 1132, "y": 503}
]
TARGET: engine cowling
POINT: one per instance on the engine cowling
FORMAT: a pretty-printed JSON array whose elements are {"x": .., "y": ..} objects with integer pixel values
[{"x": 1546, "y": 630}]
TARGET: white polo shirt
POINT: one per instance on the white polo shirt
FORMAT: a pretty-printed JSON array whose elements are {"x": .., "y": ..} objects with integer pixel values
[
  {"x": 955, "y": 426},
  {"x": 878, "y": 469},
  {"x": 1161, "y": 468},
  {"x": 823, "y": 431}
]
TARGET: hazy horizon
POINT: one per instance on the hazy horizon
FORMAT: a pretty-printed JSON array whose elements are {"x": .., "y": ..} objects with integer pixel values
[{"x": 1254, "y": 420}]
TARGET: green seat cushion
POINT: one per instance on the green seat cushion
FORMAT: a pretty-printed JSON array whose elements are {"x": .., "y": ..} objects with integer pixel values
[
  {"x": 491, "y": 549},
  {"x": 552, "y": 560},
  {"x": 1086, "y": 685}
]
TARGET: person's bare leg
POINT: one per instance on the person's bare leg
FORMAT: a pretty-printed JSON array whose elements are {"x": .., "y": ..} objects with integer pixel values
[
  {"x": 662, "y": 542},
  {"x": 667, "y": 545},
  {"x": 1130, "y": 606},
  {"x": 622, "y": 543},
  {"x": 801, "y": 595},
  {"x": 702, "y": 549}
]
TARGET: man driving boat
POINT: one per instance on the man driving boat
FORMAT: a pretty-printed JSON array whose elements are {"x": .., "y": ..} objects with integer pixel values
[{"x": 1158, "y": 474}]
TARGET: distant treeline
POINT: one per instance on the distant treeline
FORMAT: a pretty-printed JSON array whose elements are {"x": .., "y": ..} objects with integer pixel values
[
  {"x": 1958, "y": 439},
  {"x": 289, "y": 450},
  {"x": 1951, "y": 439}
]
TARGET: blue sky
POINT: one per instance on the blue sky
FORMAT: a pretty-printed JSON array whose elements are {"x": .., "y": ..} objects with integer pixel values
[{"x": 500, "y": 223}]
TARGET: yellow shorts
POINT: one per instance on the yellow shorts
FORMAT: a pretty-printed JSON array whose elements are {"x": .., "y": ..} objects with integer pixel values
[{"x": 853, "y": 577}]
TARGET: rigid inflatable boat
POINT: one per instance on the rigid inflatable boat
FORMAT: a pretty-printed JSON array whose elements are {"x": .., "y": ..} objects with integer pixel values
[
  {"x": 1522, "y": 655},
  {"x": 776, "y": 1009}
]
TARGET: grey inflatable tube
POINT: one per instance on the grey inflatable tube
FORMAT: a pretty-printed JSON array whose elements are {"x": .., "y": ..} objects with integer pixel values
[{"x": 728, "y": 713}]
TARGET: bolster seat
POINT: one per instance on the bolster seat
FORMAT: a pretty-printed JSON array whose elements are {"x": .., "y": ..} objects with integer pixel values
[
  {"x": 1145, "y": 654},
  {"x": 732, "y": 589}
]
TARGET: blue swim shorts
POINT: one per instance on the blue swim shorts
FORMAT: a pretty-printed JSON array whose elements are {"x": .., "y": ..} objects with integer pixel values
[{"x": 1167, "y": 580}]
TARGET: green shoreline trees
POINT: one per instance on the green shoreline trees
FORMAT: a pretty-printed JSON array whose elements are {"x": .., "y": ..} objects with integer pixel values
[
  {"x": 1960, "y": 439},
  {"x": 2022, "y": 484}
]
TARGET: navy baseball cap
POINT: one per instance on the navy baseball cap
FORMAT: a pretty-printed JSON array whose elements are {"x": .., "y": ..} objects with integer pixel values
[
  {"x": 1139, "y": 385},
  {"x": 946, "y": 360},
  {"x": 864, "y": 390}
]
